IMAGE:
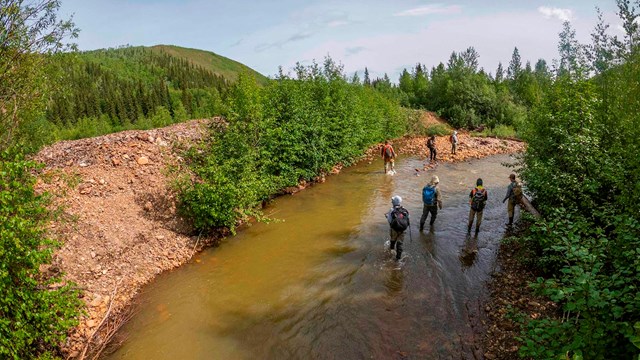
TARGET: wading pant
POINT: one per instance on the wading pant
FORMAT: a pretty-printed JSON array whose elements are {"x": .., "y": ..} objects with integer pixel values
[
  {"x": 426, "y": 210},
  {"x": 478, "y": 215},
  {"x": 432, "y": 154},
  {"x": 396, "y": 242},
  {"x": 511, "y": 207},
  {"x": 388, "y": 165},
  {"x": 454, "y": 146}
]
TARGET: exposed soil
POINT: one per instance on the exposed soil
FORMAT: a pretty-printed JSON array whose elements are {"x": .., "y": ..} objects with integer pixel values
[
  {"x": 511, "y": 295},
  {"x": 119, "y": 227}
]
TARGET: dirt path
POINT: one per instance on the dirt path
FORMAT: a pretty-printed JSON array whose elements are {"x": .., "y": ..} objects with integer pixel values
[{"x": 119, "y": 227}]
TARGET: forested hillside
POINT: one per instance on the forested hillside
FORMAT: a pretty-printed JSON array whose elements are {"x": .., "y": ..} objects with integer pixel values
[{"x": 137, "y": 87}]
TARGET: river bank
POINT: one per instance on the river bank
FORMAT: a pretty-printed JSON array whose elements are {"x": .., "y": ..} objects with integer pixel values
[{"x": 119, "y": 227}]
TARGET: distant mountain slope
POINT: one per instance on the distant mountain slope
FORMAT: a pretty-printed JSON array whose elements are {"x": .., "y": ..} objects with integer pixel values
[
  {"x": 140, "y": 87},
  {"x": 210, "y": 61}
]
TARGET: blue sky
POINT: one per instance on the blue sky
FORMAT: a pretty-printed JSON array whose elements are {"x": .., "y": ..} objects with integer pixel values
[{"x": 385, "y": 36}]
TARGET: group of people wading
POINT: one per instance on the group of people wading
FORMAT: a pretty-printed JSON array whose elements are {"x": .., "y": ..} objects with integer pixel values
[{"x": 399, "y": 219}]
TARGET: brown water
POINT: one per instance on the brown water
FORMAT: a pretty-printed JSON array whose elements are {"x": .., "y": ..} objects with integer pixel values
[{"x": 321, "y": 284}]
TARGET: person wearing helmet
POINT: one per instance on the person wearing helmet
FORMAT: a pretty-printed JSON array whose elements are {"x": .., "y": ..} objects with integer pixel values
[
  {"x": 432, "y": 200},
  {"x": 398, "y": 218},
  {"x": 477, "y": 199}
]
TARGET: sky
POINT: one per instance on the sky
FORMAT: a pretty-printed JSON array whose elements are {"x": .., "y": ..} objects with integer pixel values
[{"x": 384, "y": 36}]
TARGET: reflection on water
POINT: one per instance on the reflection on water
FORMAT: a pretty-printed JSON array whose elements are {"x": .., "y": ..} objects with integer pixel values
[{"x": 322, "y": 284}]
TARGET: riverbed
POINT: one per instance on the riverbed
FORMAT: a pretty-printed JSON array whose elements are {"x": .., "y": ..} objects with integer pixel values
[{"x": 318, "y": 282}]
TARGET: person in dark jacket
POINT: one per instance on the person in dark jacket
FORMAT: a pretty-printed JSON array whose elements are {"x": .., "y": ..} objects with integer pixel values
[
  {"x": 431, "y": 144},
  {"x": 477, "y": 200},
  {"x": 397, "y": 233}
]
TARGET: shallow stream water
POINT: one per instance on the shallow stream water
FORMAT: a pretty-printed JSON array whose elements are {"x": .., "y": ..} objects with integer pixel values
[{"x": 319, "y": 283}]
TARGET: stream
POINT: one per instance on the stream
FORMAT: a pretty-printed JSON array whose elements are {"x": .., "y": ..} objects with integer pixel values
[{"x": 320, "y": 283}]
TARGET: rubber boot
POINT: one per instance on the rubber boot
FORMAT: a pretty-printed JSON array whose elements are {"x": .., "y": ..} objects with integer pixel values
[
  {"x": 477, "y": 229},
  {"x": 392, "y": 245},
  {"x": 469, "y": 228},
  {"x": 398, "y": 251},
  {"x": 510, "y": 221}
]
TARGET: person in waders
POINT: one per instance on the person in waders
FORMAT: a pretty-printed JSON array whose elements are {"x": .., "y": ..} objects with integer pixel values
[
  {"x": 514, "y": 194},
  {"x": 477, "y": 200},
  {"x": 454, "y": 142},
  {"x": 388, "y": 155},
  {"x": 398, "y": 218},
  {"x": 432, "y": 200},
  {"x": 431, "y": 144}
]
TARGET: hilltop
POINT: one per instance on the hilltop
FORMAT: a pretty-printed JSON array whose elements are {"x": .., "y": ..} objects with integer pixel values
[{"x": 210, "y": 61}]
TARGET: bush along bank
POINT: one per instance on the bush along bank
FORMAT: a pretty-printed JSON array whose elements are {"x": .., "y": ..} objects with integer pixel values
[
  {"x": 292, "y": 130},
  {"x": 582, "y": 165}
]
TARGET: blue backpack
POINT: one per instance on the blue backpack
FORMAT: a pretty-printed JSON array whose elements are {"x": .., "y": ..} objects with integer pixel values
[{"x": 429, "y": 195}]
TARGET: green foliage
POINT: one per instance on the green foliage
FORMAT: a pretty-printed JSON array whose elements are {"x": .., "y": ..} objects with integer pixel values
[
  {"x": 29, "y": 34},
  {"x": 581, "y": 164},
  {"x": 500, "y": 131},
  {"x": 128, "y": 86},
  {"x": 438, "y": 130},
  {"x": 33, "y": 317},
  {"x": 291, "y": 130},
  {"x": 467, "y": 97}
]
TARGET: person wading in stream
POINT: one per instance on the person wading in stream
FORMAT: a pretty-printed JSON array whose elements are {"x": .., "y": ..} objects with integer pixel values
[
  {"x": 514, "y": 195},
  {"x": 431, "y": 144},
  {"x": 432, "y": 200},
  {"x": 388, "y": 155},
  {"x": 477, "y": 199},
  {"x": 398, "y": 218}
]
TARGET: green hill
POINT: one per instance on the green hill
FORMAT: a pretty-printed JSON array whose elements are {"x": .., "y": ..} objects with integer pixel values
[
  {"x": 140, "y": 87},
  {"x": 210, "y": 61}
]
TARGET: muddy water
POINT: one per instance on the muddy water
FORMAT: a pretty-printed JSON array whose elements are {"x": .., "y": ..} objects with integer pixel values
[{"x": 321, "y": 284}]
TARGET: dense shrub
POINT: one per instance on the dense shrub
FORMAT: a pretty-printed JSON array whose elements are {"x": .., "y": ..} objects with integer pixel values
[
  {"x": 33, "y": 317},
  {"x": 289, "y": 131}
]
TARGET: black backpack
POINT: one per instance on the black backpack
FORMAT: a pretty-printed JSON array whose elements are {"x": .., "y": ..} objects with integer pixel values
[
  {"x": 477, "y": 199},
  {"x": 399, "y": 219}
]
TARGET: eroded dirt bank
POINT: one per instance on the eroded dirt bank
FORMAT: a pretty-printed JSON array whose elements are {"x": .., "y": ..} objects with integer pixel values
[{"x": 119, "y": 225}]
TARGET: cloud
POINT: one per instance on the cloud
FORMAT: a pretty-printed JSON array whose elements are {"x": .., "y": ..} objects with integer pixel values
[
  {"x": 279, "y": 44},
  {"x": 561, "y": 14},
  {"x": 336, "y": 23},
  {"x": 353, "y": 50},
  {"x": 431, "y": 9}
]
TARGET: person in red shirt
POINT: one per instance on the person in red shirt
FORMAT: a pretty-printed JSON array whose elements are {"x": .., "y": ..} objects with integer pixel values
[{"x": 388, "y": 155}]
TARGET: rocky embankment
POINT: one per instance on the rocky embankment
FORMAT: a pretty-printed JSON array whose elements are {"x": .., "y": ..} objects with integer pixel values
[{"x": 118, "y": 223}]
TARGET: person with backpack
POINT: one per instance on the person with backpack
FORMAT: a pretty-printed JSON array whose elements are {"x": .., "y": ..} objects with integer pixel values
[
  {"x": 432, "y": 200},
  {"x": 431, "y": 144},
  {"x": 514, "y": 194},
  {"x": 454, "y": 142},
  {"x": 398, "y": 218},
  {"x": 477, "y": 199},
  {"x": 388, "y": 155}
]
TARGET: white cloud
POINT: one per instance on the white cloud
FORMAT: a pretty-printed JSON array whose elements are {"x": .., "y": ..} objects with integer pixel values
[
  {"x": 336, "y": 23},
  {"x": 562, "y": 14},
  {"x": 430, "y": 9}
]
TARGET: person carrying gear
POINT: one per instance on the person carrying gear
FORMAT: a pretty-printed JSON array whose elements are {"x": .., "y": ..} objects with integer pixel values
[
  {"x": 477, "y": 199},
  {"x": 398, "y": 218},
  {"x": 388, "y": 155},
  {"x": 432, "y": 200},
  {"x": 514, "y": 194},
  {"x": 454, "y": 142},
  {"x": 431, "y": 144}
]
